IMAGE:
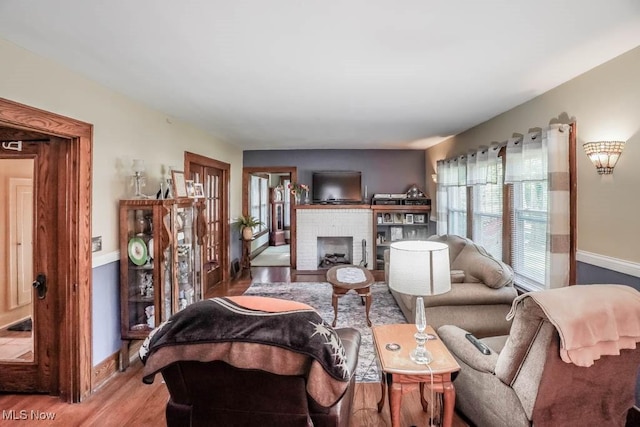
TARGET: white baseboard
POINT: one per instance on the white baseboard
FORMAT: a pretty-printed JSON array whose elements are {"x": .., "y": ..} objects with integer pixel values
[{"x": 610, "y": 263}]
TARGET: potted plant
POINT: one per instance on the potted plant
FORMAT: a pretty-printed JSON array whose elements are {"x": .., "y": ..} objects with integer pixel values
[{"x": 246, "y": 223}]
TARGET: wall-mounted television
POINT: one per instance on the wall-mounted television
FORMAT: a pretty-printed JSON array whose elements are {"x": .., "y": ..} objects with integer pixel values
[{"x": 336, "y": 187}]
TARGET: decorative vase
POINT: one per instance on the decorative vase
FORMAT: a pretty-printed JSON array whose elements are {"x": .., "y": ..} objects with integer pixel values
[
  {"x": 247, "y": 233},
  {"x": 297, "y": 197}
]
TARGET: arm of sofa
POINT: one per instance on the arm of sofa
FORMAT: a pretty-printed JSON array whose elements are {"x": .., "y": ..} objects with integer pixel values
[{"x": 454, "y": 338}]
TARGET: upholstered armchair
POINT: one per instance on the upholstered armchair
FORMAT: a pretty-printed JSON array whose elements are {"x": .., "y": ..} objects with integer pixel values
[
  {"x": 527, "y": 379},
  {"x": 481, "y": 291},
  {"x": 253, "y": 361}
]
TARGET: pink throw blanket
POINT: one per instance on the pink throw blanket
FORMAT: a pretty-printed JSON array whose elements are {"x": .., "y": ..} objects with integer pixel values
[{"x": 592, "y": 320}]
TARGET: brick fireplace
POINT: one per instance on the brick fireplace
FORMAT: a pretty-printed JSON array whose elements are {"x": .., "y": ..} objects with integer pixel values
[
  {"x": 312, "y": 224},
  {"x": 334, "y": 251}
]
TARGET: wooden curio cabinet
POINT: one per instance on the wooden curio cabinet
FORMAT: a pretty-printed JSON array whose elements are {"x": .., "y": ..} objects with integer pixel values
[{"x": 160, "y": 263}]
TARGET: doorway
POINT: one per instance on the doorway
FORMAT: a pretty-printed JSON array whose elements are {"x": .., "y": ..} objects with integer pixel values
[
  {"x": 59, "y": 149},
  {"x": 265, "y": 195}
]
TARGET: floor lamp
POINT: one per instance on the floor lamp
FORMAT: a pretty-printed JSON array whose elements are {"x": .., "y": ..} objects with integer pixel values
[{"x": 419, "y": 268}]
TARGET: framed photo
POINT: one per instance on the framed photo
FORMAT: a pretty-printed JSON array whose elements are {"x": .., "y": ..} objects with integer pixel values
[
  {"x": 198, "y": 190},
  {"x": 387, "y": 218},
  {"x": 396, "y": 233},
  {"x": 379, "y": 218},
  {"x": 190, "y": 187},
  {"x": 418, "y": 218},
  {"x": 398, "y": 218},
  {"x": 179, "y": 185},
  {"x": 408, "y": 218}
]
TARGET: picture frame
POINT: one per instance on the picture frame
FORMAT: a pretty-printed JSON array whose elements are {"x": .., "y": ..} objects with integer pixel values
[
  {"x": 198, "y": 190},
  {"x": 387, "y": 218},
  {"x": 418, "y": 218},
  {"x": 379, "y": 218},
  {"x": 190, "y": 188},
  {"x": 396, "y": 233},
  {"x": 408, "y": 218},
  {"x": 398, "y": 218},
  {"x": 178, "y": 184}
]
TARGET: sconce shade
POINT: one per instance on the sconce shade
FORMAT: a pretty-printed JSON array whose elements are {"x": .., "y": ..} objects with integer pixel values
[
  {"x": 419, "y": 267},
  {"x": 604, "y": 154}
]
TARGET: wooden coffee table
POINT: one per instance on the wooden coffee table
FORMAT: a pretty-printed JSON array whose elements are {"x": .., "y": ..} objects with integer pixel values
[
  {"x": 402, "y": 375},
  {"x": 340, "y": 288}
]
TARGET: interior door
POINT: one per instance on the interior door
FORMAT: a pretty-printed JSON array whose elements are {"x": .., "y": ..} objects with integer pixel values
[
  {"x": 29, "y": 358},
  {"x": 214, "y": 175}
]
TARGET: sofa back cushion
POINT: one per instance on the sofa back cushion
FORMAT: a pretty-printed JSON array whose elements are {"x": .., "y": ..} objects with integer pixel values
[{"x": 478, "y": 265}]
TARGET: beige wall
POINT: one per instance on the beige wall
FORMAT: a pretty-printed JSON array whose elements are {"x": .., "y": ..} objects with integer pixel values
[
  {"x": 605, "y": 103},
  {"x": 123, "y": 130}
]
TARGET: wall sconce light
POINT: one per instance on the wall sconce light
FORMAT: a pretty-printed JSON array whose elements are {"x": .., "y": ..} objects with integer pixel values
[
  {"x": 434, "y": 177},
  {"x": 604, "y": 154}
]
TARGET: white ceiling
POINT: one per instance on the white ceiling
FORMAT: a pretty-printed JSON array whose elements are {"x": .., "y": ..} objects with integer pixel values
[{"x": 282, "y": 74}]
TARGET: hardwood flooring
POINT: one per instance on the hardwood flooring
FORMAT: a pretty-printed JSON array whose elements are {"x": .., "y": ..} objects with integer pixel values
[{"x": 125, "y": 401}]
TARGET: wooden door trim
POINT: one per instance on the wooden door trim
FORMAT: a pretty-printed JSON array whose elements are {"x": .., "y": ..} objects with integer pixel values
[
  {"x": 226, "y": 178},
  {"x": 74, "y": 242},
  {"x": 293, "y": 171}
]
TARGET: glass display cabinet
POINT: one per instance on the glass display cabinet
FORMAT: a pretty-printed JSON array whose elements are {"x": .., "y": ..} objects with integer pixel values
[{"x": 160, "y": 263}]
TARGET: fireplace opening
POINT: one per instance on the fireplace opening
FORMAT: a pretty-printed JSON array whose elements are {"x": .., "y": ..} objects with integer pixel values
[{"x": 334, "y": 251}]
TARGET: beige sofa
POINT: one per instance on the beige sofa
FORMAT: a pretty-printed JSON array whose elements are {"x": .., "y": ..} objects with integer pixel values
[{"x": 481, "y": 291}]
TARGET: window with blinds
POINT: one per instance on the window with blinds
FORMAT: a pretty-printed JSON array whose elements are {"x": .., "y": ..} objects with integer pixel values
[
  {"x": 457, "y": 210},
  {"x": 259, "y": 202},
  {"x": 487, "y": 215},
  {"x": 529, "y": 219}
]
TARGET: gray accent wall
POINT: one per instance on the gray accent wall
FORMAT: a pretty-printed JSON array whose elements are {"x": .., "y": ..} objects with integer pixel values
[
  {"x": 383, "y": 171},
  {"x": 105, "y": 300}
]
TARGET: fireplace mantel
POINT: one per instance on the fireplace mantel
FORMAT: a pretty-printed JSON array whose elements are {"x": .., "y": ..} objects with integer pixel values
[
  {"x": 330, "y": 206},
  {"x": 313, "y": 221}
]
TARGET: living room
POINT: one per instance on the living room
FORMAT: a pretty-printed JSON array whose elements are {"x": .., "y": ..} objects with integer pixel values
[{"x": 603, "y": 100}]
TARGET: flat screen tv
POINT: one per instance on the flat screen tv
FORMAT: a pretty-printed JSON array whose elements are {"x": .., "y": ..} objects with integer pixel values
[{"x": 336, "y": 187}]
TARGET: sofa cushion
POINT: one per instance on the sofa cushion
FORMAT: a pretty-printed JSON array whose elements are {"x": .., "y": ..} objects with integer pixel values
[
  {"x": 457, "y": 276},
  {"x": 456, "y": 244},
  {"x": 466, "y": 294},
  {"x": 480, "y": 266}
]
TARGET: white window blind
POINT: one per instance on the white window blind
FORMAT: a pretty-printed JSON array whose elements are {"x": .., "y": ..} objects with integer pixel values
[
  {"x": 527, "y": 171},
  {"x": 259, "y": 201},
  {"x": 455, "y": 181},
  {"x": 530, "y": 233},
  {"x": 487, "y": 215}
]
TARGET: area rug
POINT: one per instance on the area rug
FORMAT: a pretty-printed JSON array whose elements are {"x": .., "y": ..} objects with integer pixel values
[
  {"x": 273, "y": 256},
  {"x": 351, "y": 312}
]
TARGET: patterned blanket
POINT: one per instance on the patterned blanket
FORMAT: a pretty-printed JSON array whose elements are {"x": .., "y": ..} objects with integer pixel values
[{"x": 251, "y": 332}]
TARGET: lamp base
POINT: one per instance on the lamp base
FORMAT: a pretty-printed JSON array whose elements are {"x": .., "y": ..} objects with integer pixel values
[{"x": 421, "y": 356}]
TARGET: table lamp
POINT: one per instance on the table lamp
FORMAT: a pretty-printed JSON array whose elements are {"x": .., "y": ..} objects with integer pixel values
[{"x": 419, "y": 268}]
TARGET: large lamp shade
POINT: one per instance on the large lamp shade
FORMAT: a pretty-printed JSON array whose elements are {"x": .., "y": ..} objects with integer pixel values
[{"x": 419, "y": 267}]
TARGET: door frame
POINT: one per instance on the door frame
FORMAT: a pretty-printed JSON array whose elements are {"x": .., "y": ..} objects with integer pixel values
[
  {"x": 73, "y": 242},
  {"x": 293, "y": 172}
]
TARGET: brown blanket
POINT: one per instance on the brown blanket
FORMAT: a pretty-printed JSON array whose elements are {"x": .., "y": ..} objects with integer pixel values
[
  {"x": 592, "y": 320},
  {"x": 251, "y": 332}
]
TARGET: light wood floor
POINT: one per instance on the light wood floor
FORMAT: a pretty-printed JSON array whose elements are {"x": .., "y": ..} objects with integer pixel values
[{"x": 125, "y": 401}]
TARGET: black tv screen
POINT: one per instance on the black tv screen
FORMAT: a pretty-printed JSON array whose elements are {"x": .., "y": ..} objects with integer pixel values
[{"x": 336, "y": 187}]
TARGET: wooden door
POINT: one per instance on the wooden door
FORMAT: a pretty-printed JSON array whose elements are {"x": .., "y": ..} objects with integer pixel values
[
  {"x": 37, "y": 221},
  {"x": 214, "y": 175}
]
